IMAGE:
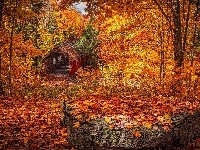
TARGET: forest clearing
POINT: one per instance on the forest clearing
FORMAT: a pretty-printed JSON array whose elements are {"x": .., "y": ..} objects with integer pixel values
[{"x": 124, "y": 75}]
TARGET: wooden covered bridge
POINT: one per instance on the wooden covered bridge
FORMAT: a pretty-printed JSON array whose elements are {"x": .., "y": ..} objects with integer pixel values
[{"x": 63, "y": 59}]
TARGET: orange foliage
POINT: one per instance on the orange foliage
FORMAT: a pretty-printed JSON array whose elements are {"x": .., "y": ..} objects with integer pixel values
[
  {"x": 31, "y": 124},
  {"x": 128, "y": 91},
  {"x": 22, "y": 71}
]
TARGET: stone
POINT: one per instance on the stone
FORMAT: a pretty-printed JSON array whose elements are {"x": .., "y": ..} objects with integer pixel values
[{"x": 96, "y": 135}]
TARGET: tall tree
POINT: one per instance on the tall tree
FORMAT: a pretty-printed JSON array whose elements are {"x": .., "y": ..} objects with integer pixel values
[
  {"x": 88, "y": 43},
  {"x": 15, "y": 14},
  {"x": 176, "y": 12},
  {"x": 1, "y": 15},
  {"x": 175, "y": 21},
  {"x": 11, "y": 47}
]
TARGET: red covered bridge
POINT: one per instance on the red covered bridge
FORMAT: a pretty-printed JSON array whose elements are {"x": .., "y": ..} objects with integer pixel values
[{"x": 63, "y": 59}]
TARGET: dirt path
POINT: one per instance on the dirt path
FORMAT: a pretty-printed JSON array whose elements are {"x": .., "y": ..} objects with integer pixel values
[
  {"x": 59, "y": 75},
  {"x": 31, "y": 124}
]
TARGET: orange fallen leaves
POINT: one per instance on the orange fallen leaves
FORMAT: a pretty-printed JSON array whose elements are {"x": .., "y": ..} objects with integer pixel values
[
  {"x": 31, "y": 124},
  {"x": 107, "y": 119},
  {"x": 111, "y": 126},
  {"x": 166, "y": 127},
  {"x": 129, "y": 125},
  {"x": 139, "y": 111},
  {"x": 76, "y": 124},
  {"x": 137, "y": 134}
]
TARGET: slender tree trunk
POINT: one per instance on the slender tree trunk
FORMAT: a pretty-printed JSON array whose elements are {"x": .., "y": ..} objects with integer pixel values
[
  {"x": 1, "y": 10},
  {"x": 178, "y": 49},
  {"x": 162, "y": 64},
  {"x": 186, "y": 26},
  {"x": 176, "y": 28},
  {"x": 11, "y": 52},
  {"x": 1, "y": 15},
  {"x": 10, "y": 57},
  {"x": 162, "y": 56},
  {"x": 1, "y": 82},
  {"x": 195, "y": 30}
]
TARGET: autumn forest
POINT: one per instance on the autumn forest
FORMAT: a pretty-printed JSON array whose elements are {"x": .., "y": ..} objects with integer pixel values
[{"x": 125, "y": 75}]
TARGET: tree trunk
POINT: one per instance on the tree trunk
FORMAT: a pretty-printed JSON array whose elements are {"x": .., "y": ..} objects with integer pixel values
[
  {"x": 1, "y": 82},
  {"x": 195, "y": 31},
  {"x": 1, "y": 15},
  {"x": 186, "y": 26},
  {"x": 162, "y": 56},
  {"x": 175, "y": 12},
  {"x": 10, "y": 57},
  {"x": 11, "y": 52},
  {"x": 1, "y": 11},
  {"x": 178, "y": 49}
]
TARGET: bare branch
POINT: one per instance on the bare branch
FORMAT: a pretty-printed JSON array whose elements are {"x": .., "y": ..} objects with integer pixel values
[
  {"x": 161, "y": 9},
  {"x": 164, "y": 14}
]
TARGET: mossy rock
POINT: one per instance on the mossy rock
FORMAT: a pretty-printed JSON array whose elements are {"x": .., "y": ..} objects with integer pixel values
[{"x": 96, "y": 135}]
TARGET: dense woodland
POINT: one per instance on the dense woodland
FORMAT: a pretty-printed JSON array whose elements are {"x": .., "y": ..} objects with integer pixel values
[{"x": 144, "y": 62}]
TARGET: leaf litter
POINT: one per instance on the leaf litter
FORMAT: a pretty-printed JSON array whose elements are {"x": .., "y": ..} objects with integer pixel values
[{"x": 31, "y": 124}]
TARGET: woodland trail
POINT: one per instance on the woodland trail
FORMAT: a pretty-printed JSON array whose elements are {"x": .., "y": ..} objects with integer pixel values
[
  {"x": 58, "y": 79},
  {"x": 31, "y": 124},
  {"x": 60, "y": 73}
]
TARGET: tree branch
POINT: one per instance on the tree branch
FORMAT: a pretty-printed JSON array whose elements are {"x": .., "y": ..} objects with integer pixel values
[
  {"x": 161, "y": 9},
  {"x": 163, "y": 13},
  {"x": 186, "y": 27}
]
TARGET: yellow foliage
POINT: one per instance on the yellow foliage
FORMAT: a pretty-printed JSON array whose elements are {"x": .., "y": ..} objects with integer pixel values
[
  {"x": 107, "y": 119},
  {"x": 22, "y": 71}
]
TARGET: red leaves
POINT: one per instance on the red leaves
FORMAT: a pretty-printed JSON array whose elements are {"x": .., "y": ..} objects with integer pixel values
[
  {"x": 116, "y": 101},
  {"x": 31, "y": 124}
]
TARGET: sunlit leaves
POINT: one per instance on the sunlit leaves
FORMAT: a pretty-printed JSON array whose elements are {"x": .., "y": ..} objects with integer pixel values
[
  {"x": 55, "y": 26},
  {"x": 166, "y": 119},
  {"x": 127, "y": 45},
  {"x": 68, "y": 19},
  {"x": 23, "y": 72},
  {"x": 107, "y": 119},
  {"x": 127, "y": 91}
]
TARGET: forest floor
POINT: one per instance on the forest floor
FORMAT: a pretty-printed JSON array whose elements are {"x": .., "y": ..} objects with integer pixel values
[
  {"x": 31, "y": 124},
  {"x": 60, "y": 73},
  {"x": 34, "y": 124}
]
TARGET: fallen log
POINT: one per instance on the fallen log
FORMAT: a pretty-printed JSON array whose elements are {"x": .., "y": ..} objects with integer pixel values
[{"x": 96, "y": 135}]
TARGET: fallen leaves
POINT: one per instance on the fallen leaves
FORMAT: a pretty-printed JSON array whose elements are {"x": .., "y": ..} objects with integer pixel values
[
  {"x": 31, "y": 124},
  {"x": 76, "y": 124},
  {"x": 147, "y": 125},
  {"x": 137, "y": 134},
  {"x": 139, "y": 111},
  {"x": 111, "y": 126},
  {"x": 166, "y": 127},
  {"x": 166, "y": 119},
  {"x": 129, "y": 125},
  {"x": 107, "y": 119}
]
